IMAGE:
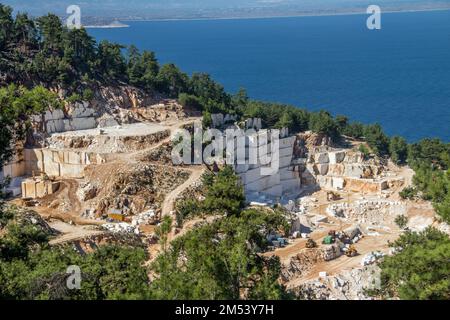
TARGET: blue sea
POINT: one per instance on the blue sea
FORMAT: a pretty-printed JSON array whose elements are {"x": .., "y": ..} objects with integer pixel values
[{"x": 398, "y": 76}]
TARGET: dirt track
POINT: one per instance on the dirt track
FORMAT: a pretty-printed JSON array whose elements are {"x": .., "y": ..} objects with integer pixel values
[
  {"x": 169, "y": 201},
  {"x": 71, "y": 232}
]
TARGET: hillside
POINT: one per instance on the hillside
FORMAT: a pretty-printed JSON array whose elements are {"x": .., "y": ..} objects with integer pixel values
[{"x": 88, "y": 178}]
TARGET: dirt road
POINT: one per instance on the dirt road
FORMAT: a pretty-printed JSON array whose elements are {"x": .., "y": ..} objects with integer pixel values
[
  {"x": 169, "y": 201},
  {"x": 71, "y": 232},
  {"x": 336, "y": 266}
]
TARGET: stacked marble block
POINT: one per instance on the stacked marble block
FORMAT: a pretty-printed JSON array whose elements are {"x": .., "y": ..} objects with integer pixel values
[
  {"x": 36, "y": 188},
  {"x": 281, "y": 181}
]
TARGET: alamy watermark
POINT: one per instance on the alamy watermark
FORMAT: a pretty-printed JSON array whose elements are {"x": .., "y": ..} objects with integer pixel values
[
  {"x": 74, "y": 19},
  {"x": 233, "y": 146},
  {"x": 74, "y": 279},
  {"x": 374, "y": 20}
]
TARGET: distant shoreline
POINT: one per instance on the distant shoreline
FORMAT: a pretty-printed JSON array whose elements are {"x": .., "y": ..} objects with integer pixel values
[
  {"x": 106, "y": 27},
  {"x": 112, "y": 25},
  {"x": 325, "y": 14}
]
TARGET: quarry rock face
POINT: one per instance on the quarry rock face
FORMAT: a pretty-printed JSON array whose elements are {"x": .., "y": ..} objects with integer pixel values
[
  {"x": 336, "y": 157},
  {"x": 111, "y": 106},
  {"x": 348, "y": 285},
  {"x": 259, "y": 185},
  {"x": 336, "y": 169}
]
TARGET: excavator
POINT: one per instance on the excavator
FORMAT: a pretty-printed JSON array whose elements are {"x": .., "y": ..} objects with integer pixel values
[{"x": 351, "y": 251}]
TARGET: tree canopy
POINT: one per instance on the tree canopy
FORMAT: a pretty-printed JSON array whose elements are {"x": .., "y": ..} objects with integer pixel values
[{"x": 421, "y": 268}]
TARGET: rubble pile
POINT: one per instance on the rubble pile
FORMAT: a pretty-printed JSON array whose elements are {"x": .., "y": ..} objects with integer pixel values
[
  {"x": 23, "y": 217},
  {"x": 332, "y": 168},
  {"x": 337, "y": 210},
  {"x": 371, "y": 258},
  {"x": 195, "y": 191},
  {"x": 163, "y": 111},
  {"x": 134, "y": 189},
  {"x": 163, "y": 154},
  {"x": 143, "y": 218},
  {"x": 87, "y": 191},
  {"x": 348, "y": 285},
  {"x": 374, "y": 211},
  {"x": 301, "y": 264},
  {"x": 93, "y": 242},
  {"x": 121, "y": 227}
]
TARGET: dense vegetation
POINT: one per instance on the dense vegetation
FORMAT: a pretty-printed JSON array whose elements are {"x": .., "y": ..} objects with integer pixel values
[
  {"x": 420, "y": 269},
  {"x": 17, "y": 104},
  {"x": 221, "y": 260},
  {"x": 430, "y": 159},
  {"x": 30, "y": 269}
]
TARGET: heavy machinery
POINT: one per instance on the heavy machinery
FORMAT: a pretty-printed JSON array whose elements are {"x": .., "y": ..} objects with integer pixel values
[
  {"x": 311, "y": 244},
  {"x": 328, "y": 240},
  {"x": 332, "y": 196},
  {"x": 351, "y": 251}
]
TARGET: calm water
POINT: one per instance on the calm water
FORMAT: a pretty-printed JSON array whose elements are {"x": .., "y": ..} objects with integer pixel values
[{"x": 398, "y": 76}]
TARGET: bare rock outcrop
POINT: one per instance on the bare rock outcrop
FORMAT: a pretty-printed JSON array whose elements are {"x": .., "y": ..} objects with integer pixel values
[
  {"x": 132, "y": 189},
  {"x": 348, "y": 285}
]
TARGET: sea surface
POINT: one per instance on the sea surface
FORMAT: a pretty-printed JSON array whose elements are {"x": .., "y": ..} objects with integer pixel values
[{"x": 398, "y": 76}]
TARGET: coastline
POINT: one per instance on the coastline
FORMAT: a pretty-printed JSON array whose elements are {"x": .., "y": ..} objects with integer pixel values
[
  {"x": 349, "y": 13},
  {"x": 106, "y": 27}
]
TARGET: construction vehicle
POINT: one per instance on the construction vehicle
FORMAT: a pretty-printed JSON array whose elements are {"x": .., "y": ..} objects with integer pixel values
[
  {"x": 332, "y": 196},
  {"x": 311, "y": 244},
  {"x": 328, "y": 240},
  {"x": 351, "y": 251}
]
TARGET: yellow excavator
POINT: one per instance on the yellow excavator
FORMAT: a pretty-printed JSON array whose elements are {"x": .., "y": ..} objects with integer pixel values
[{"x": 351, "y": 252}]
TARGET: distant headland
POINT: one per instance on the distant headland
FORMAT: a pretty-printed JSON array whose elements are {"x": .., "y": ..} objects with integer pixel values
[{"x": 112, "y": 25}]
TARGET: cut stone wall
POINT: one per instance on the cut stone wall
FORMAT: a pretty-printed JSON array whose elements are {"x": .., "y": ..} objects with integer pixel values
[
  {"x": 79, "y": 117},
  {"x": 36, "y": 189},
  {"x": 58, "y": 163},
  {"x": 15, "y": 170},
  {"x": 334, "y": 169},
  {"x": 285, "y": 181}
]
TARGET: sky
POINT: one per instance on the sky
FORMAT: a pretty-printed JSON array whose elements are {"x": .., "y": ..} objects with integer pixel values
[{"x": 120, "y": 8}]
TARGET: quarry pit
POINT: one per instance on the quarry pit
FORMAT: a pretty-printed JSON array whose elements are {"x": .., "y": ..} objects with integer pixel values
[{"x": 118, "y": 179}]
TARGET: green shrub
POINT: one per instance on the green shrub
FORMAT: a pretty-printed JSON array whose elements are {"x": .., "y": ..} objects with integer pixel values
[
  {"x": 401, "y": 221},
  {"x": 364, "y": 150},
  {"x": 88, "y": 95},
  {"x": 408, "y": 193}
]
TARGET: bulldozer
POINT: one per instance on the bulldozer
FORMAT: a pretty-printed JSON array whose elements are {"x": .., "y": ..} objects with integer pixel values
[
  {"x": 351, "y": 252},
  {"x": 311, "y": 244}
]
